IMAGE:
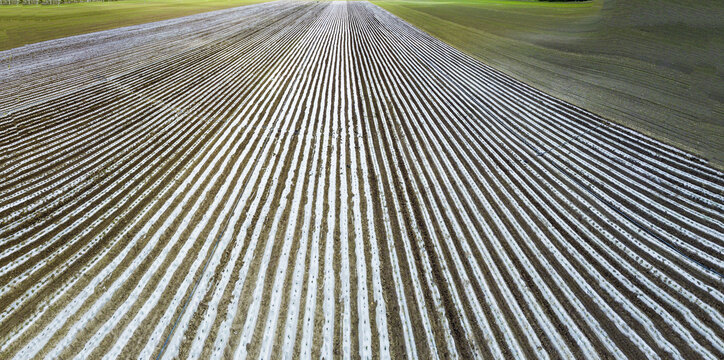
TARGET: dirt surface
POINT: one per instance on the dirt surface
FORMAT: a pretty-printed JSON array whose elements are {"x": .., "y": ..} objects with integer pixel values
[
  {"x": 321, "y": 179},
  {"x": 652, "y": 66}
]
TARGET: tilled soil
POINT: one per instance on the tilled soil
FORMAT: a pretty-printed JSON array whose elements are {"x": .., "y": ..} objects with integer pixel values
[{"x": 297, "y": 179}]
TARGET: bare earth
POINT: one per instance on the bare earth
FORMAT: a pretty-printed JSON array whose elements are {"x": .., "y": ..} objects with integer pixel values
[{"x": 296, "y": 179}]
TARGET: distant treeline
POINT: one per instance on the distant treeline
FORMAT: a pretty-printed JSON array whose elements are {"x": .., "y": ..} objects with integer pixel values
[{"x": 46, "y": 2}]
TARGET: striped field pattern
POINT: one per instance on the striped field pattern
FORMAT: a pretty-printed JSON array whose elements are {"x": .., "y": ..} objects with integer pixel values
[{"x": 321, "y": 179}]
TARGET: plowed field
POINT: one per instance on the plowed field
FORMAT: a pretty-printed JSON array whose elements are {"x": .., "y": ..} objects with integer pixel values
[{"x": 296, "y": 179}]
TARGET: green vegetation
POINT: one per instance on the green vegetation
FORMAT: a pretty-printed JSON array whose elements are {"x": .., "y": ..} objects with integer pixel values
[
  {"x": 26, "y": 24},
  {"x": 44, "y": 2},
  {"x": 654, "y": 66}
]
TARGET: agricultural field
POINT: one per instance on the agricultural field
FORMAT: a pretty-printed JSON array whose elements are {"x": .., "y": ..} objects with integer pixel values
[
  {"x": 323, "y": 179},
  {"x": 654, "y": 66},
  {"x": 27, "y": 24}
]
